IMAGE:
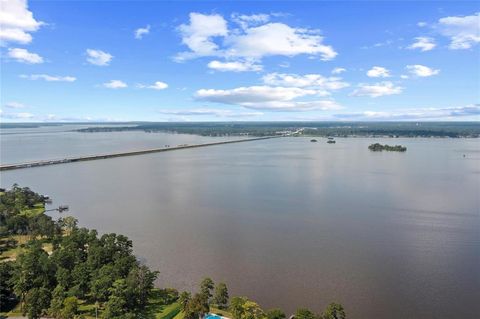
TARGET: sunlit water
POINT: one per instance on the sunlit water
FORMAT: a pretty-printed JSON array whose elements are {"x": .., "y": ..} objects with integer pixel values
[{"x": 288, "y": 222}]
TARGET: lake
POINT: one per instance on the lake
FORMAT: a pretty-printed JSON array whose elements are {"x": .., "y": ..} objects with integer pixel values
[{"x": 286, "y": 222}]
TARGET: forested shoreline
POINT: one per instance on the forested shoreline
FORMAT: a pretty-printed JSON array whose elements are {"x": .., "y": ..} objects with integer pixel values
[{"x": 54, "y": 268}]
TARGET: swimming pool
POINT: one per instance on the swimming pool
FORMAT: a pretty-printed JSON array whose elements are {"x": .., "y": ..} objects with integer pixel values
[{"x": 212, "y": 316}]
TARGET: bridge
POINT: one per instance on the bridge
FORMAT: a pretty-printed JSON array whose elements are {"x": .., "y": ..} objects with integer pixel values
[{"x": 122, "y": 154}]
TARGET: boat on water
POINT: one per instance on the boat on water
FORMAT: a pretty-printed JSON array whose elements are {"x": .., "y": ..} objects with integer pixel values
[
  {"x": 313, "y": 140},
  {"x": 331, "y": 141}
]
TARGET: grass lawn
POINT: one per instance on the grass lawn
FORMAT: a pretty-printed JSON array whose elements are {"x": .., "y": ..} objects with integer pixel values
[
  {"x": 10, "y": 252},
  {"x": 37, "y": 209},
  {"x": 220, "y": 312},
  {"x": 180, "y": 315}
]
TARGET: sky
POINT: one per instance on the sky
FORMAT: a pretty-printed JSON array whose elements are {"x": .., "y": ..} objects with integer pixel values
[{"x": 239, "y": 61}]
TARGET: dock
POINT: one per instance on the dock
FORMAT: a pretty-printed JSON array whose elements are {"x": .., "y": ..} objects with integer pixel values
[{"x": 122, "y": 154}]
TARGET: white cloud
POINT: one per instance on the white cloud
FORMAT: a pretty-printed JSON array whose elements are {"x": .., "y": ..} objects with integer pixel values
[
  {"x": 404, "y": 76},
  {"x": 23, "y": 56},
  {"x": 98, "y": 57},
  {"x": 14, "y": 105},
  {"x": 313, "y": 81},
  {"x": 416, "y": 114},
  {"x": 16, "y": 22},
  {"x": 278, "y": 39},
  {"x": 267, "y": 98},
  {"x": 338, "y": 70},
  {"x": 17, "y": 116},
  {"x": 421, "y": 70},
  {"x": 463, "y": 31},
  {"x": 378, "y": 72},
  {"x": 255, "y": 40},
  {"x": 115, "y": 84},
  {"x": 198, "y": 34},
  {"x": 422, "y": 24},
  {"x": 211, "y": 112},
  {"x": 49, "y": 78},
  {"x": 377, "y": 89},
  {"x": 234, "y": 66},
  {"x": 140, "y": 32},
  {"x": 158, "y": 85},
  {"x": 246, "y": 21},
  {"x": 423, "y": 43}
]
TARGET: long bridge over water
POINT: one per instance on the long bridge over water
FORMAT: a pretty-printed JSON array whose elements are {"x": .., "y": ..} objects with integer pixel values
[{"x": 122, "y": 154}]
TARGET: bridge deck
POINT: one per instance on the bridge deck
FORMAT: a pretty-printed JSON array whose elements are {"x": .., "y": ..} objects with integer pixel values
[{"x": 121, "y": 154}]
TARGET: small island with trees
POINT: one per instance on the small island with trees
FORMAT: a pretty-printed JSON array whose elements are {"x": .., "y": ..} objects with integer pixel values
[
  {"x": 377, "y": 147},
  {"x": 56, "y": 269}
]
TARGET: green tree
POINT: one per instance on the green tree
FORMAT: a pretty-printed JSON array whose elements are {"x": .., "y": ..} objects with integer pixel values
[
  {"x": 304, "y": 313},
  {"x": 102, "y": 282},
  {"x": 33, "y": 269},
  {"x": 334, "y": 311},
  {"x": 140, "y": 283},
  {"x": 81, "y": 279},
  {"x": 242, "y": 308},
  {"x": 6, "y": 285},
  {"x": 197, "y": 307},
  {"x": 117, "y": 301},
  {"x": 68, "y": 224},
  {"x": 56, "y": 304},
  {"x": 252, "y": 310},
  {"x": 37, "y": 301},
  {"x": 70, "y": 308},
  {"x": 221, "y": 296},
  {"x": 275, "y": 314},
  {"x": 236, "y": 307},
  {"x": 206, "y": 287},
  {"x": 184, "y": 299}
]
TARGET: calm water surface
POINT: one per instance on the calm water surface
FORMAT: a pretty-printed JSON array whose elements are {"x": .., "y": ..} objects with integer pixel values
[
  {"x": 291, "y": 223},
  {"x": 53, "y": 142}
]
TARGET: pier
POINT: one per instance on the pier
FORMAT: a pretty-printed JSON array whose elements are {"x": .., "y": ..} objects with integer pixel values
[{"x": 122, "y": 154}]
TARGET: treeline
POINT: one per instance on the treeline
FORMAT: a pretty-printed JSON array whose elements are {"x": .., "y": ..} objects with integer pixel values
[
  {"x": 217, "y": 297},
  {"x": 377, "y": 147},
  {"x": 336, "y": 129},
  {"x": 82, "y": 266},
  {"x": 18, "y": 208}
]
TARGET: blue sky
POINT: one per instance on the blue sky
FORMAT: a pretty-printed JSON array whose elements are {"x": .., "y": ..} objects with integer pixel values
[{"x": 239, "y": 60}]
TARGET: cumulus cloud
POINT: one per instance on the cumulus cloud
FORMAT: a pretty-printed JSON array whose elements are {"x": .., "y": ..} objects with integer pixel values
[
  {"x": 198, "y": 35},
  {"x": 49, "y": 78},
  {"x": 415, "y": 114},
  {"x": 98, "y": 57},
  {"x": 140, "y": 32},
  {"x": 378, "y": 72},
  {"x": 17, "y": 116},
  {"x": 423, "y": 44},
  {"x": 115, "y": 84},
  {"x": 211, "y": 112},
  {"x": 463, "y": 31},
  {"x": 246, "y": 21},
  {"x": 267, "y": 98},
  {"x": 208, "y": 35},
  {"x": 158, "y": 85},
  {"x": 338, "y": 70},
  {"x": 377, "y": 89},
  {"x": 24, "y": 56},
  {"x": 421, "y": 70},
  {"x": 234, "y": 66},
  {"x": 279, "y": 39},
  {"x": 17, "y": 22},
  {"x": 313, "y": 81},
  {"x": 14, "y": 105}
]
